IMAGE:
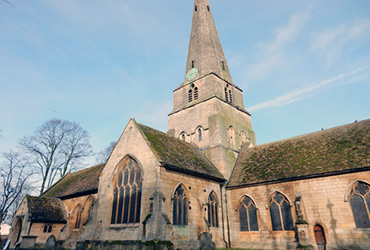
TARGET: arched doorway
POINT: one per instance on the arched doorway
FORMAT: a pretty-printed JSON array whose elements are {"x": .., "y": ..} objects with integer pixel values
[{"x": 320, "y": 237}]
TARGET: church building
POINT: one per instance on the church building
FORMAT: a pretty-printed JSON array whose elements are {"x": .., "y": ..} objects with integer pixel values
[{"x": 205, "y": 183}]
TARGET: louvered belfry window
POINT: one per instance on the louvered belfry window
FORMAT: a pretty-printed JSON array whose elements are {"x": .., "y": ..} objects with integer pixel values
[
  {"x": 180, "y": 207},
  {"x": 212, "y": 210},
  {"x": 281, "y": 214},
  {"x": 359, "y": 198},
  {"x": 195, "y": 93},
  {"x": 127, "y": 194},
  {"x": 248, "y": 215},
  {"x": 190, "y": 95}
]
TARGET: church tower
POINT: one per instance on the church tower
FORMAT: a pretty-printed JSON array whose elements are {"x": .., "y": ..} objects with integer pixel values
[{"x": 208, "y": 107}]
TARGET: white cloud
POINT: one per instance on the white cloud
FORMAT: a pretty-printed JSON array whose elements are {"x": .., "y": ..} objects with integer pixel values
[
  {"x": 272, "y": 54},
  {"x": 330, "y": 44},
  {"x": 303, "y": 93}
]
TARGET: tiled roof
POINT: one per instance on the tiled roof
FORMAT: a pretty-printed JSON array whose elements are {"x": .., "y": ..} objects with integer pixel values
[
  {"x": 336, "y": 150},
  {"x": 79, "y": 183},
  {"x": 43, "y": 209},
  {"x": 178, "y": 155}
]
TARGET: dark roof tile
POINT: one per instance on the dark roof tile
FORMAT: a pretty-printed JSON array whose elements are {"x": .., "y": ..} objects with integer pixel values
[
  {"x": 43, "y": 209},
  {"x": 178, "y": 155},
  {"x": 79, "y": 183},
  {"x": 334, "y": 150}
]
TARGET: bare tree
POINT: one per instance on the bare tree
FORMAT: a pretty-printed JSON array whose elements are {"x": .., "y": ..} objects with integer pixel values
[
  {"x": 103, "y": 155},
  {"x": 14, "y": 175},
  {"x": 57, "y": 146}
]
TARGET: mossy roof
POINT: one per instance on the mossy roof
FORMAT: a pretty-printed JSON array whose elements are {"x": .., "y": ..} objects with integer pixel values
[
  {"x": 75, "y": 184},
  {"x": 330, "y": 151},
  {"x": 178, "y": 155},
  {"x": 42, "y": 209}
]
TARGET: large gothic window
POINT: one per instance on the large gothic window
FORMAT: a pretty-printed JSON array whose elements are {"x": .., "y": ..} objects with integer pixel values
[
  {"x": 281, "y": 214},
  {"x": 212, "y": 210},
  {"x": 248, "y": 215},
  {"x": 359, "y": 198},
  {"x": 127, "y": 193},
  {"x": 180, "y": 207}
]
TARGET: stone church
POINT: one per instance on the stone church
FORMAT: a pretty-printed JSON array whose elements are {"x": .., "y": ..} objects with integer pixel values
[{"x": 205, "y": 183}]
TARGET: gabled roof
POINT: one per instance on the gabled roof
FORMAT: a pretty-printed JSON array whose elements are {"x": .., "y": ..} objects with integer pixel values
[
  {"x": 43, "y": 209},
  {"x": 337, "y": 150},
  {"x": 178, "y": 155},
  {"x": 75, "y": 184}
]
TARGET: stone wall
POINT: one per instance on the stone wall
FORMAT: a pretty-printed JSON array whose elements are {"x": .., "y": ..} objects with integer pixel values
[{"x": 321, "y": 200}]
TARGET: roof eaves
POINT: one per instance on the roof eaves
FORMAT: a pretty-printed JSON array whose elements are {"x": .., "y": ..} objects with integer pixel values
[
  {"x": 193, "y": 173},
  {"x": 302, "y": 177}
]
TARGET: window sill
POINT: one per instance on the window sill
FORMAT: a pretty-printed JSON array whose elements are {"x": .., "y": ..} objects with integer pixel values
[{"x": 123, "y": 226}]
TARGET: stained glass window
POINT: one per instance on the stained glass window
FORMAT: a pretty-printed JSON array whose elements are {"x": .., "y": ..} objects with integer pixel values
[
  {"x": 280, "y": 212},
  {"x": 212, "y": 210},
  {"x": 359, "y": 198},
  {"x": 126, "y": 202},
  {"x": 248, "y": 215},
  {"x": 180, "y": 207}
]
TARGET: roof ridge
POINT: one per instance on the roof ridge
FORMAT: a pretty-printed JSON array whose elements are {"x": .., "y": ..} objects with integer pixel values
[{"x": 328, "y": 130}]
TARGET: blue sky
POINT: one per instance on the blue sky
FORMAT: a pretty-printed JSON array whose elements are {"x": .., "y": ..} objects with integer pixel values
[{"x": 303, "y": 65}]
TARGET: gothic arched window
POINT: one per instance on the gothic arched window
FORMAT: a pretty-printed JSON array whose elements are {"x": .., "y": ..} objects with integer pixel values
[
  {"x": 248, "y": 215},
  {"x": 230, "y": 96},
  {"x": 200, "y": 136},
  {"x": 190, "y": 95},
  {"x": 226, "y": 95},
  {"x": 281, "y": 214},
  {"x": 180, "y": 207},
  {"x": 127, "y": 193},
  {"x": 212, "y": 210},
  {"x": 195, "y": 93},
  {"x": 359, "y": 198},
  {"x": 78, "y": 211}
]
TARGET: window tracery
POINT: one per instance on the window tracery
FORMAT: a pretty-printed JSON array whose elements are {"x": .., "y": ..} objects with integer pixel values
[
  {"x": 180, "y": 207},
  {"x": 359, "y": 197},
  {"x": 126, "y": 203},
  {"x": 212, "y": 210},
  {"x": 248, "y": 215},
  {"x": 281, "y": 214}
]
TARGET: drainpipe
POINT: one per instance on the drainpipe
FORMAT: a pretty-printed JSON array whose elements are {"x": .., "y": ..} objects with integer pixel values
[{"x": 223, "y": 219}]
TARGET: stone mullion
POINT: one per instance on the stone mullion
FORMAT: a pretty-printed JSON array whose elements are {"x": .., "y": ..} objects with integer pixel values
[
  {"x": 281, "y": 215},
  {"x": 366, "y": 206},
  {"x": 248, "y": 221}
]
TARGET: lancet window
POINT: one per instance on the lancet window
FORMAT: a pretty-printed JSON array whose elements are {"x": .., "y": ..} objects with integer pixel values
[
  {"x": 226, "y": 95},
  {"x": 190, "y": 95},
  {"x": 281, "y": 214},
  {"x": 127, "y": 193},
  {"x": 78, "y": 215},
  {"x": 248, "y": 215},
  {"x": 180, "y": 207},
  {"x": 200, "y": 136},
  {"x": 212, "y": 210},
  {"x": 195, "y": 93},
  {"x": 359, "y": 197}
]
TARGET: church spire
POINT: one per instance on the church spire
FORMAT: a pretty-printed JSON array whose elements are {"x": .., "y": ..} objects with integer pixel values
[{"x": 205, "y": 50}]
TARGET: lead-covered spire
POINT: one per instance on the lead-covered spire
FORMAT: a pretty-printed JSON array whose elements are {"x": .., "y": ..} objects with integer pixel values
[{"x": 205, "y": 50}]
